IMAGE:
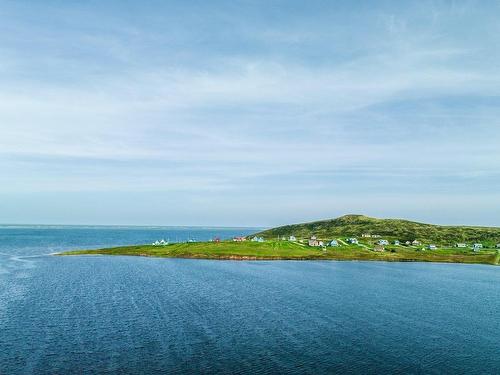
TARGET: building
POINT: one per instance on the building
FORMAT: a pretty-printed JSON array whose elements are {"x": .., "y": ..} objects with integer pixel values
[
  {"x": 477, "y": 246},
  {"x": 498, "y": 246},
  {"x": 376, "y": 236},
  {"x": 379, "y": 248},
  {"x": 366, "y": 235},
  {"x": 333, "y": 243},
  {"x": 292, "y": 238},
  {"x": 383, "y": 242},
  {"x": 353, "y": 241},
  {"x": 416, "y": 243},
  {"x": 257, "y": 239},
  {"x": 407, "y": 243},
  {"x": 313, "y": 241},
  {"x": 432, "y": 247},
  {"x": 396, "y": 242},
  {"x": 461, "y": 245},
  {"x": 239, "y": 239}
]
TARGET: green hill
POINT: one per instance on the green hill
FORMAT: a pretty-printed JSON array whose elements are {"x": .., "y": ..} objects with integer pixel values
[{"x": 392, "y": 229}]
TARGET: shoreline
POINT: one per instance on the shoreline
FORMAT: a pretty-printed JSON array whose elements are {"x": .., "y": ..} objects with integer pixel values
[
  {"x": 261, "y": 259},
  {"x": 269, "y": 252}
]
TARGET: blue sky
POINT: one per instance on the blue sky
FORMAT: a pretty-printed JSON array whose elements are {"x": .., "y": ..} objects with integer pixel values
[{"x": 253, "y": 113}]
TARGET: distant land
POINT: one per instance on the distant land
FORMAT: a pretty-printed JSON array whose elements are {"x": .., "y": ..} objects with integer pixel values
[
  {"x": 394, "y": 229},
  {"x": 350, "y": 237}
]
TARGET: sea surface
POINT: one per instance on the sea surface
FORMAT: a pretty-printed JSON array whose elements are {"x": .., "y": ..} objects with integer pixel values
[{"x": 132, "y": 315}]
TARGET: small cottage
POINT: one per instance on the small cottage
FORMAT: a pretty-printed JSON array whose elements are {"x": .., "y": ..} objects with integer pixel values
[
  {"x": 477, "y": 246},
  {"x": 383, "y": 242},
  {"x": 313, "y": 241},
  {"x": 432, "y": 247},
  {"x": 353, "y": 241},
  {"x": 461, "y": 245},
  {"x": 333, "y": 243},
  {"x": 257, "y": 239}
]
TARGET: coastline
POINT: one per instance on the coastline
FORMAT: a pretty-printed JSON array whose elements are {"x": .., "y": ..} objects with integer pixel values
[{"x": 275, "y": 251}]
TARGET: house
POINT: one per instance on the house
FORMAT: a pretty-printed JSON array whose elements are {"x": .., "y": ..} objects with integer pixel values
[
  {"x": 432, "y": 247},
  {"x": 477, "y": 246},
  {"x": 498, "y": 246},
  {"x": 216, "y": 240},
  {"x": 239, "y": 239},
  {"x": 313, "y": 241},
  {"x": 257, "y": 239},
  {"x": 292, "y": 238},
  {"x": 382, "y": 242},
  {"x": 376, "y": 236},
  {"x": 366, "y": 235},
  {"x": 379, "y": 248},
  {"x": 407, "y": 243},
  {"x": 353, "y": 241},
  {"x": 333, "y": 243},
  {"x": 160, "y": 243},
  {"x": 396, "y": 242},
  {"x": 461, "y": 245},
  {"x": 416, "y": 243}
]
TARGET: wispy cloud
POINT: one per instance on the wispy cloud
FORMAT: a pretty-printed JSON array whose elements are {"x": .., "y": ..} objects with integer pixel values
[{"x": 250, "y": 101}]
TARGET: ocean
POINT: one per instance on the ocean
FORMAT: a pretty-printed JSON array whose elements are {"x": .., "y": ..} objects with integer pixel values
[{"x": 132, "y": 315}]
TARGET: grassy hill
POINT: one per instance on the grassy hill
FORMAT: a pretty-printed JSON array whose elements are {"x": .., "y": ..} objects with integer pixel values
[{"x": 403, "y": 230}]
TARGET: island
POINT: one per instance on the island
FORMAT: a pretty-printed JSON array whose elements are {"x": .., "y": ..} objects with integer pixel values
[{"x": 350, "y": 237}]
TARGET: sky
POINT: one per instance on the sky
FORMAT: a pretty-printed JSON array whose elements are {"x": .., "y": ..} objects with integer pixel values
[{"x": 249, "y": 113}]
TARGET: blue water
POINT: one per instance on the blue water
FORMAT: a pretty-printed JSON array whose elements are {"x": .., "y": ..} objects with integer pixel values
[{"x": 143, "y": 315}]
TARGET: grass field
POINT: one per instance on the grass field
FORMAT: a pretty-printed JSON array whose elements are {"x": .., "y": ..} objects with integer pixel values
[{"x": 294, "y": 251}]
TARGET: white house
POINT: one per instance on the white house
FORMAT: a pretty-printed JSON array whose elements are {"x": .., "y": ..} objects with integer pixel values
[
  {"x": 396, "y": 242},
  {"x": 292, "y": 238},
  {"x": 416, "y": 243},
  {"x": 366, "y": 235},
  {"x": 257, "y": 239},
  {"x": 498, "y": 245},
  {"x": 333, "y": 243},
  {"x": 353, "y": 241},
  {"x": 160, "y": 243},
  {"x": 383, "y": 242},
  {"x": 432, "y": 247},
  {"x": 477, "y": 246},
  {"x": 461, "y": 245}
]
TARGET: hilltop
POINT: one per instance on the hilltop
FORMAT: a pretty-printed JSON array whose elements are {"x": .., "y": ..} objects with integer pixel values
[{"x": 402, "y": 230}]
